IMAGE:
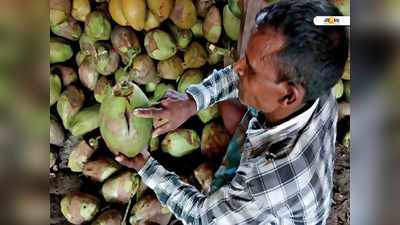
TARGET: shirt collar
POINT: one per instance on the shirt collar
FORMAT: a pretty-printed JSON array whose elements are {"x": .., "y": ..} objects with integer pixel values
[{"x": 260, "y": 135}]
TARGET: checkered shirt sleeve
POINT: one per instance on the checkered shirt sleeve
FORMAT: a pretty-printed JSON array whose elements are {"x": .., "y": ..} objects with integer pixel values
[
  {"x": 293, "y": 186},
  {"x": 219, "y": 86}
]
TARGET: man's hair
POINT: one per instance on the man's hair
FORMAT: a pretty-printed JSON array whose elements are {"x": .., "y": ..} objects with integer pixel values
[{"x": 313, "y": 56}]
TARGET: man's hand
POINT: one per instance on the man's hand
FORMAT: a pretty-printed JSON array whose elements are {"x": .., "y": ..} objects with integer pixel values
[
  {"x": 136, "y": 162},
  {"x": 174, "y": 106}
]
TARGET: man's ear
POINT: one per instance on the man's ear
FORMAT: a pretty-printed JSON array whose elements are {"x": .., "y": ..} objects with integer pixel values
[{"x": 294, "y": 94}]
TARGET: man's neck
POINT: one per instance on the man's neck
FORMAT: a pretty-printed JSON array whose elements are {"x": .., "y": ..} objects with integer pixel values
[{"x": 280, "y": 116}]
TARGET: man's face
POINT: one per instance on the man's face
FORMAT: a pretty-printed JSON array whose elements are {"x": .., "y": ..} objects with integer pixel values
[{"x": 258, "y": 72}]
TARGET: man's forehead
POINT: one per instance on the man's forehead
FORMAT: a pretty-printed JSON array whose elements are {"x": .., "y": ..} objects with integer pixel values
[{"x": 266, "y": 40}]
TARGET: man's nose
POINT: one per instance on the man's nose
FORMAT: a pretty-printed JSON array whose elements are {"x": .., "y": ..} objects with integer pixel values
[{"x": 240, "y": 66}]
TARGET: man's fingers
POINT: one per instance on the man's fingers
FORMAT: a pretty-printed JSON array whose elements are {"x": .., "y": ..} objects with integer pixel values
[
  {"x": 148, "y": 112},
  {"x": 123, "y": 160},
  {"x": 162, "y": 130}
]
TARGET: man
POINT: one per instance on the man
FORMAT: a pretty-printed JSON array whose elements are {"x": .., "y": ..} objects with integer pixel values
[{"x": 283, "y": 173}]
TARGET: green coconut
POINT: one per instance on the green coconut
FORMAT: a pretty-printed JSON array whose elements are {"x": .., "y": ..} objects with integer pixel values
[
  {"x": 234, "y": 8},
  {"x": 85, "y": 120},
  {"x": 109, "y": 217},
  {"x": 180, "y": 142},
  {"x": 87, "y": 46},
  {"x": 97, "y": 26},
  {"x": 152, "y": 21},
  {"x": 202, "y": 7},
  {"x": 79, "y": 207},
  {"x": 159, "y": 45},
  {"x": 67, "y": 74},
  {"x": 159, "y": 91},
  {"x": 126, "y": 43},
  {"x": 197, "y": 29},
  {"x": 338, "y": 89},
  {"x": 343, "y": 6},
  {"x": 68, "y": 29},
  {"x": 69, "y": 103},
  {"x": 103, "y": 88},
  {"x": 216, "y": 54},
  {"x": 184, "y": 14},
  {"x": 214, "y": 141},
  {"x": 154, "y": 144},
  {"x": 204, "y": 175},
  {"x": 346, "y": 73},
  {"x": 231, "y": 24},
  {"x": 195, "y": 56},
  {"x": 148, "y": 210},
  {"x": 55, "y": 88},
  {"x": 143, "y": 70},
  {"x": 212, "y": 25},
  {"x": 346, "y": 85},
  {"x": 59, "y": 11},
  {"x": 188, "y": 78},
  {"x": 79, "y": 156},
  {"x": 207, "y": 114},
  {"x": 106, "y": 59},
  {"x": 182, "y": 36},
  {"x": 160, "y": 8},
  {"x": 122, "y": 131},
  {"x": 171, "y": 68},
  {"x": 346, "y": 140},
  {"x": 121, "y": 187},
  {"x": 59, "y": 51},
  {"x": 88, "y": 74},
  {"x": 57, "y": 136},
  {"x": 100, "y": 169},
  {"x": 80, "y": 9}
]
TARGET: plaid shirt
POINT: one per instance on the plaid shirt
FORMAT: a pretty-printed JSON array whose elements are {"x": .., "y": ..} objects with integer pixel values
[{"x": 285, "y": 172}]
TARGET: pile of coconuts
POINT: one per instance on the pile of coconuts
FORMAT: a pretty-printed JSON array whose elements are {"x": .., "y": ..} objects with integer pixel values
[{"x": 109, "y": 57}]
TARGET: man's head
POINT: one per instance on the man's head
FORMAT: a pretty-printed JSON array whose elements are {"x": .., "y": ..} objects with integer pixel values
[{"x": 290, "y": 61}]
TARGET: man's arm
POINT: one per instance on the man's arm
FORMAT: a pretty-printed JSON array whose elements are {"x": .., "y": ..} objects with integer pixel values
[
  {"x": 219, "y": 86},
  {"x": 231, "y": 204}
]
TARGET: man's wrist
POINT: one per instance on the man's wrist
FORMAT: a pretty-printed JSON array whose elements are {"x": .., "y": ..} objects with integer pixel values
[{"x": 192, "y": 105}]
